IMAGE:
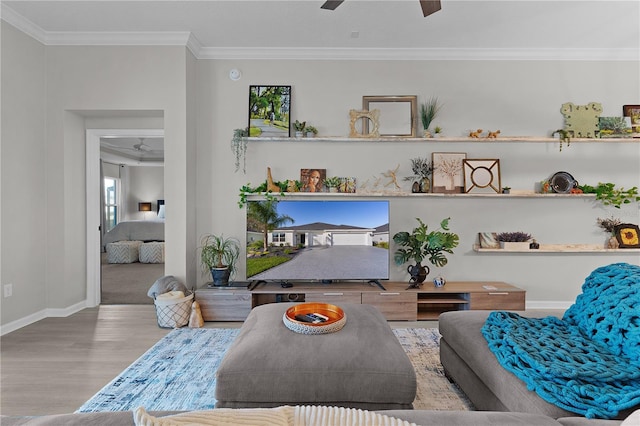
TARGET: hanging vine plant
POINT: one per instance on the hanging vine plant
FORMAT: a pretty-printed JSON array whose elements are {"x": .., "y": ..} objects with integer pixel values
[
  {"x": 239, "y": 147},
  {"x": 609, "y": 195}
]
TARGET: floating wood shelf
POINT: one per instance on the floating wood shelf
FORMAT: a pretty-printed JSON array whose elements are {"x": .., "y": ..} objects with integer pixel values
[{"x": 560, "y": 248}]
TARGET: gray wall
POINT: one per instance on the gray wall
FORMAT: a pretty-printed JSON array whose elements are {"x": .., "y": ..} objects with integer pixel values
[{"x": 47, "y": 90}]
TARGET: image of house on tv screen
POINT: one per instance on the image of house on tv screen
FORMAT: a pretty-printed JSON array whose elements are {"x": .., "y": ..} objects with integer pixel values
[{"x": 317, "y": 240}]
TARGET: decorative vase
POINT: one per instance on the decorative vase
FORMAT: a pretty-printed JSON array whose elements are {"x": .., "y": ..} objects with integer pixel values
[
  {"x": 427, "y": 133},
  {"x": 418, "y": 274},
  {"x": 425, "y": 185},
  {"x": 415, "y": 188},
  {"x": 439, "y": 282},
  {"x": 612, "y": 243},
  {"x": 299, "y": 134}
]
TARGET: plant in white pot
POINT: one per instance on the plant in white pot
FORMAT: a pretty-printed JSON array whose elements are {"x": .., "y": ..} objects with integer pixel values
[
  {"x": 332, "y": 183},
  {"x": 218, "y": 256},
  {"x": 514, "y": 240},
  {"x": 299, "y": 126}
]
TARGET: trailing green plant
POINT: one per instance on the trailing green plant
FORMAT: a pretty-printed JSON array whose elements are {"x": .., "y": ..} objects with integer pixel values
[
  {"x": 311, "y": 129},
  {"x": 513, "y": 237},
  {"x": 609, "y": 195},
  {"x": 216, "y": 251},
  {"x": 246, "y": 190},
  {"x": 428, "y": 112},
  {"x": 421, "y": 167},
  {"x": 420, "y": 244},
  {"x": 239, "y": 147}
]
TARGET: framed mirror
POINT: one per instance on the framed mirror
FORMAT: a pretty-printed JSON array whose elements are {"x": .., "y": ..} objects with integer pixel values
[
  {"x": 482, "y": 175},
  {"x": 398, "y": 115}
]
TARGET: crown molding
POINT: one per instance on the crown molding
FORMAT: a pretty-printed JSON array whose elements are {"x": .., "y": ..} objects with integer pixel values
[
  {"x": 187, "y": 39},
  {"x": 23, "y": 24},
  {"x": 423, "y": 54}
]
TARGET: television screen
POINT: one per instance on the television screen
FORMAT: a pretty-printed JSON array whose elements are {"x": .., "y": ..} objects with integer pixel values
[{"x": 311, "y": 240}]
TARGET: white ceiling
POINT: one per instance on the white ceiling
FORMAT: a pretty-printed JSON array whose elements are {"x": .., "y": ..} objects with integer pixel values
[
  {"x": 572, "y": 29},
  {"x": 148, "y": 151}
]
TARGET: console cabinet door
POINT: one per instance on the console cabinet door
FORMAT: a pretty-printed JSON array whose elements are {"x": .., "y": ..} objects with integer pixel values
[
  {"x": 224, "y": 305},
  {"x": 333, "y": 297},
  {"x": 398, "y": 306},
  {"x": 498, "y": 300}
]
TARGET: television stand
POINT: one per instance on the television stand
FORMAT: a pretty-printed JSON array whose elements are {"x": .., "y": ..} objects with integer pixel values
[{"x": 376, "y": 282}]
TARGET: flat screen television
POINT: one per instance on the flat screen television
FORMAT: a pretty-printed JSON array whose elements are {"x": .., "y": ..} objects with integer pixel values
[{"x": 312, "y": 240}]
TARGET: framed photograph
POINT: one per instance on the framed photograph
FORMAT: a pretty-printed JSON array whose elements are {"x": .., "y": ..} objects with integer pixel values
[
  {"x": 488, "y": 240},
  {"x": 313, "y": 180},
  {"x": 627, "y": 235},
  {"x": 633, "y": 112},
  {"x": 347, "y": 185},
  {"x": 269, "y": 111},
  {"x": 615, "y": 127},
  {"x": 398, "y": 115},
  {"x": 482, "y": 176},
  {"x": 447, "y": 172}
]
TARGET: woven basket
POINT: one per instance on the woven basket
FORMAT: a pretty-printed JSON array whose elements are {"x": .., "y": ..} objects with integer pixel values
[{"x": 173, "y": 313}]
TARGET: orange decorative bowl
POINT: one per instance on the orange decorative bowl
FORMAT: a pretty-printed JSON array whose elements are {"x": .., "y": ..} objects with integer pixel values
[{"x": 336, "y": 318}]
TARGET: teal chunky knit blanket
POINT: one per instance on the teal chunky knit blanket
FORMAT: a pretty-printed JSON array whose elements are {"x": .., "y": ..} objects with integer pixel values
[{"x": 588, "y": 362}]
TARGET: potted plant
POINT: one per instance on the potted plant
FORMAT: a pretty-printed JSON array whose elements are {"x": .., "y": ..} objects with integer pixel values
[
  {"x": 310, "y": 131},
  {"x": 422, "y": 169},
  {"x": 438, "y": 131},
  {"x": 239, "y": 147},
  {"x": 218, "y": 256},
  {"x": 506, "y": 189},
  {"x": 420, "y": 245},
  {"x": 332, "y": 183},
  {"x": 428, "y": 112},
  {"x": 514, "y": 240},
  {"x": 299, "y": 128}
]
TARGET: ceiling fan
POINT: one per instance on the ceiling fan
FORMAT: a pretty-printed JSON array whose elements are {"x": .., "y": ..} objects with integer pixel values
[
  {"x": 428, "y": 6},
  {"x": 139, "y": 147}
]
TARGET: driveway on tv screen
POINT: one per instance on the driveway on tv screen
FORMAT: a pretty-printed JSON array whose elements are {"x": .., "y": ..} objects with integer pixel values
[{"x": 332, "y": 262}]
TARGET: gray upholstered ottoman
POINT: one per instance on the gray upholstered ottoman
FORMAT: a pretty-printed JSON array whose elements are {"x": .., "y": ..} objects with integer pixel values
[{"x": 361, "y": 366}]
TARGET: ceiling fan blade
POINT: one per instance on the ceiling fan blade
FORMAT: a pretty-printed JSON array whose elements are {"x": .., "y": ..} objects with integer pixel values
[
  {"x": 331, "y": 4},
  {"x": 429, "y": 7}
]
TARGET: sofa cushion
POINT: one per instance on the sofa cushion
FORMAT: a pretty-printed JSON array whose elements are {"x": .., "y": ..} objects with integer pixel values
[{"x": 461, "y": 331}]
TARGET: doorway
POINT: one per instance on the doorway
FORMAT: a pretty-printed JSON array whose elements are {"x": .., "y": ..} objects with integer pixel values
[{"x": 129, "y": 207}]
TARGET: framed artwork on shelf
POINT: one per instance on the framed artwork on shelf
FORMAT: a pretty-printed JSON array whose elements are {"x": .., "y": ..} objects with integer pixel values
[
  {"x": 447, "y": 172},
  {"x": 313, "y": 180},
  {"x": 482, "y": 175},
  {"x": 633, "y": 112},
  {"x": 627, "y": 235},
  {"x": 347, "y": 185},
  {"x": 269, "y": 111},
  {"x": 398, "y": 115}
]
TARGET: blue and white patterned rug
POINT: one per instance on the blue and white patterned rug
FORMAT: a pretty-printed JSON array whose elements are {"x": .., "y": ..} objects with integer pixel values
[{"x": 178, "y": 373}]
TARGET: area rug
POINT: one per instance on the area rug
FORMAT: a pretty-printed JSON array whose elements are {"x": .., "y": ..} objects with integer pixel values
[{"x": 178, "y": 373}]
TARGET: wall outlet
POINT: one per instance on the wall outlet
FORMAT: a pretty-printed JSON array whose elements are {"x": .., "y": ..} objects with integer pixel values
[{"x": 8, "y": 290}]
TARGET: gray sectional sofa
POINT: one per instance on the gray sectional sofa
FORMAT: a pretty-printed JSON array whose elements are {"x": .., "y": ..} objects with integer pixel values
[{"x": 469, "y": 362}]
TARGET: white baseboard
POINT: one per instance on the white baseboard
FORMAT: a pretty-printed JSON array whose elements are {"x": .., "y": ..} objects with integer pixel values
[{"x": 40, "y": 315}]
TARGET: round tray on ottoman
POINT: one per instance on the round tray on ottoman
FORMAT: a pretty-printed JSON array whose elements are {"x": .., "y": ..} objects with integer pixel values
[{"x": 336, "y": 318}]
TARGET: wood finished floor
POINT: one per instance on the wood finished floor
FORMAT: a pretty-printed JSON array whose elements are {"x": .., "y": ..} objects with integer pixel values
[{"x": 55, "y": 365}]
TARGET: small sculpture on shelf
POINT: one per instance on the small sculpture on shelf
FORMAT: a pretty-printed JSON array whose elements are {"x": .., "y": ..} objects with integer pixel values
[
  {"x": 493, "y": 135},
  {"x": 475, "y": 134}
]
